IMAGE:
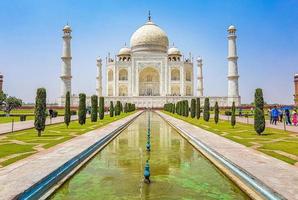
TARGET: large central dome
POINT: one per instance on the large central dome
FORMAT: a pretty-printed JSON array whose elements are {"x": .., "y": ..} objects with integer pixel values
[{"x": 149, "y": 37}]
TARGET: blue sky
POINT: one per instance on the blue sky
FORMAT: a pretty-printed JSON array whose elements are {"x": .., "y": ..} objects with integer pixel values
[{"x": 31, "y": 44}]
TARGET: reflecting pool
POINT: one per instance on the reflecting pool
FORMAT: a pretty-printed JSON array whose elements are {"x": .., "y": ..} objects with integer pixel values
[{"x": 178, "y": 171}]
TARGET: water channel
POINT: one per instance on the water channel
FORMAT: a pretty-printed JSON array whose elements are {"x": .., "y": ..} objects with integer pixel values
[{"x": 178, "y": 170}]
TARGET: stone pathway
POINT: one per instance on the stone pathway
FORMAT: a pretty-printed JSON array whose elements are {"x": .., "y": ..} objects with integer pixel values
[
  {"x": 251, "y": 121},
  {"x": 7, "y": 127},
  {"x": 17, "y": 177},
  {"x": 276, "y": 174}
]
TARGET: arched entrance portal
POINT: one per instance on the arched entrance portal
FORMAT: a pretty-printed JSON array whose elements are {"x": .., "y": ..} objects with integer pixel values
[{"x": 149, "y": 82}]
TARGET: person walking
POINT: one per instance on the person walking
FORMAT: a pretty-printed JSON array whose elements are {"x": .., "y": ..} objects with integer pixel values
[
  {"x": 281, "y": 114},
  {"x": 274, "y": 115},
  {"x": 288, "y": 117},
  {"x": 294, "y": 118},
  {"x": 269, "y": 112}
]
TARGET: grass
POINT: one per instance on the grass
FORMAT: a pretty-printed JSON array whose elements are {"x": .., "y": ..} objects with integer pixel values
[
  {"x": 21, "y": 144},
  {"x": 273, "y": 142},
  {"x": 15, "y": 118}
]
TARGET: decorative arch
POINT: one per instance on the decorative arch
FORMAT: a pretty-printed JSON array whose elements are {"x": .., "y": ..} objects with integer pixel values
[
  {"x": 110, "y": 90},
  {"x": 175, "y": 75},
  {"x": 123, "y": 75},
  {"x": 110, "y": 75},
  {"x": 123, "y": 91},
  {"x": 175, "y": 90},
  {"x": 149, "y": 82},
  {"x": 188, "y": 75},
  {"x": 188, "y": 91}
]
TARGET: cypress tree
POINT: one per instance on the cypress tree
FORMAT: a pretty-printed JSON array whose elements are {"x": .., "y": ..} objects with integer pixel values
[
  {"x": 40, "y": 110},
  {"x": 206, "y": 114},
  {"x": 111, "y": 109},
  {"x": 125, "y": 108},
  {"x": 193, "y": 108},
  {"x": 259, "y": 118},
  {"x": 186, "y": 108},
  {"x": 216, "y": 113},
  {"x": 94, "y": 108},
  {"x": 121, "y": 107},
  {"x": 174, "y": 109},
  {"x": 67, "y": 114},
  {"x": 233, "y": 117},
  {"x": 82, "y": 109},
  {"x": 117, "y": 108},
  {"x": 198, "y": 110},
  {"x": 101, "y": 108}
]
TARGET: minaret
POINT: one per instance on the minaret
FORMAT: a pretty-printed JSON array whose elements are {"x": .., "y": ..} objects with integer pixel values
[
  {"x": 66, "y": 64},
  {"x": 1, "y": 82},
  {"x": 296, "y": 89},
  {"x": 200, "y": 77},
  {"x": 99, "y": 77},
  {"x": 233, "y": 87}
]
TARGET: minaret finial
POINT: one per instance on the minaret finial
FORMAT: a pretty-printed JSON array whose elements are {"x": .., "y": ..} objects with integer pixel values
[
  {"x": 125, "y": 44},
  {"x": 149, "y": 16},
  {"x": 173, "y": 44}
]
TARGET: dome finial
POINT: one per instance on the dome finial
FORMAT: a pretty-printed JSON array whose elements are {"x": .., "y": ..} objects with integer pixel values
[{"x": 149, "y": 16}]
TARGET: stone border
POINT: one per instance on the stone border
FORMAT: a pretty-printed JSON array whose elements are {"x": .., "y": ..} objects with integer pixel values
[
  {"x": 252, "y": 186},
  {"x": 51, "y": 182}
]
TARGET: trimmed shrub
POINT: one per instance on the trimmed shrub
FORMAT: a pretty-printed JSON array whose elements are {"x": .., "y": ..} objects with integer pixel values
[
  {"x": 233, "y": 117},
  {"x": 94, "y": 108},
  {"x": 193, "y": 108},
  {"x": 228, "y": 113},
  {"x": 111, "y": 109},
  {"x": 23, "y": 118},
  {"x": 73, "y": 112},
  {"x": 198, "y": 108},
  {"x": 206, "y": 114},
  {"x": 82, "y": 109},
  {"x": 40, "y": 110},
  {"x": 259, "y": 118},
  {"x": 216, "y": 113},
  {"x": 101, "y": 108}
]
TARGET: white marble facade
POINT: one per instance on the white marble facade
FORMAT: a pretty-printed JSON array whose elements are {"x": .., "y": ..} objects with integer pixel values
[{"x": 149, "y": 73}]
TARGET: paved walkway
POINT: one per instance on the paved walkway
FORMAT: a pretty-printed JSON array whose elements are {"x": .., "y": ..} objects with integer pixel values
[
  {"x": 251, "y": 121},
  {"x": 7, "y": 127},
  {"x": 17, "y": 177},
  {"x": 276, "y": 174}
]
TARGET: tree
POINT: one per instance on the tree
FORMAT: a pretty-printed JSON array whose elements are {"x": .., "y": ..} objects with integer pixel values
[
  {"x": 111, "y": 109},
  {"x": 121, "y": 107},
  {"x": 101, "y": 108},
  {"x": 3, "y": 96},
  {"x": 117, "y": 108},
  {"x": 11, "y": 103},
  {"x": 193, "y": 108},
  {"x": 82, "y": 109},
  {"x": 40, "y": 110},
  {"x": 94, "y": 108},
  {"x": 216, "y": 113},
  {"x": 67, "y": 114},
  {"x": 206, "y": 114},
  {"x": 259, "y": 118},
  {"x": 198, "y": 110},
  {"x": 173, "y": 108},
  {"x": 125, "y": 108},
  {"x": 233, "y": 117}
]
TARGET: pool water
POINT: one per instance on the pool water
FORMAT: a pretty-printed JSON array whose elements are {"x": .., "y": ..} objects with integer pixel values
[{"x": 178, "y": 170}]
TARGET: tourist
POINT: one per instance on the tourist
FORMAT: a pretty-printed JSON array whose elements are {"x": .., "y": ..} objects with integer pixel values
[
  {"x": 281, "y": 115},
  {"x": 274, "y": 115},
  {"x": 270, "y": 115},
  {"x": 288, "y": 117},
  {"x": 294, "y": 118}
]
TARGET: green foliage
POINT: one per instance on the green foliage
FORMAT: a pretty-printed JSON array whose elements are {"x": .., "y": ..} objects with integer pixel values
[
  {"x": 121, "y": 107},
  {"x": 173, "y": 108},
  {"x": 40, "y": 110},
  {"x": 186, "y": 109},
  {"x": 94, "y": 108},
  {"x": 11, "y": 103},
  {"x": 126, "y": 108},
  {"x": 101, "y": 108},
  {"x": 206, "y": 114},
  {"x": 233, "y": 117},
  {"x": 198, "y": 110},
  {"x": 111, "y": 109},
  {"x": 67, "y": 114},
  {"x": 117, "y": 108},
  {"x": 216, "y": 113},
  {"x": 259, "y": 118},
  {"x": 3, "y": 96},
  {"x": 193, "y": 108},
  {"x": 82, "y": 109}
]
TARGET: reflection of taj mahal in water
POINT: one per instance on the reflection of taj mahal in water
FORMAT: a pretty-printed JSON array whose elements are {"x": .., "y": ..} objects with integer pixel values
[{"x": 149, "y": 73}]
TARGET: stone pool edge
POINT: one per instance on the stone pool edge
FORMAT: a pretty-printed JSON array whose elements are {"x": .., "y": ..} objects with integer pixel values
[
  {"x": 52, "y": 181},
  {"x": 258, "y": 190}
]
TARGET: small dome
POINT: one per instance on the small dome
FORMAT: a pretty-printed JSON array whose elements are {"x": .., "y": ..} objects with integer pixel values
[
  {"x": 124, "y": 51},
  {"x": 199, "y": 59},
  {"x": 232, "y": 28},
  {"x": 149, "y": 37},
  {"x": 67, "y": 28},
  {"x": 296, "y": 75},
  {"x": 174, "y": 51},
  {"x": 98, "y": 59}
]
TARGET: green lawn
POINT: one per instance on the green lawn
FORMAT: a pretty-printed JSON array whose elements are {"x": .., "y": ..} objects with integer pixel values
[
  {"x": 22, "y": 111},
  {"x": 274, "y": 142},
  {"x": 21, "y": 144},
  {"x": 15, "y": 118}
]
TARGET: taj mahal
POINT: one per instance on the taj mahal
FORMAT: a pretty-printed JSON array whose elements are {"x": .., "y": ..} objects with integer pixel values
[{"x": 149, "y": 72}]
